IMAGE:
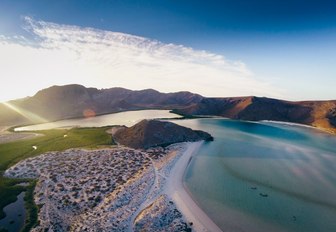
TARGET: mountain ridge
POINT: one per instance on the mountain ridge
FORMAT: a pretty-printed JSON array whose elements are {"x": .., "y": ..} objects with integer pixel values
[{"x": 72, "y": 101}]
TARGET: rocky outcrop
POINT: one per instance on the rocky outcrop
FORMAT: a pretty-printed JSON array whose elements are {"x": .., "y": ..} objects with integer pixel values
[
  {"x": 153, "y": 133},
  {"x": 332, "y": 116}
]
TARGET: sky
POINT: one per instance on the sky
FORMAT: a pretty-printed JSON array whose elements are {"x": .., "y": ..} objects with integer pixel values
[{"x": 282, "y": 49}]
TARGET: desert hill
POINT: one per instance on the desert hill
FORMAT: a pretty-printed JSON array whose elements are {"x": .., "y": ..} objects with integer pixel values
[{"x": 153, "y": 133}]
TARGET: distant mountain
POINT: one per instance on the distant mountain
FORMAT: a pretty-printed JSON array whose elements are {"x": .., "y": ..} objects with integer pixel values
[
  {"x": 320, "y": 114},
  {"x": 153, "y": 133},
  {"x": 70, "y": 101}
]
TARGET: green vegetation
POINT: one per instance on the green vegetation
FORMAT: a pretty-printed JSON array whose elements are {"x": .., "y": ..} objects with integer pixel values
[
  {"x": 53, "y": 140},
  {"x": 31, "y": 208}
]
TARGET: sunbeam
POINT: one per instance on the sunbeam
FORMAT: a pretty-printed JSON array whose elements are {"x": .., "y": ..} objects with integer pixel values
[{"x": 25, "y": 113}]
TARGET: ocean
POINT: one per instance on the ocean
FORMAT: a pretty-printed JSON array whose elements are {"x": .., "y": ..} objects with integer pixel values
[{"x": 264, "y": 176}]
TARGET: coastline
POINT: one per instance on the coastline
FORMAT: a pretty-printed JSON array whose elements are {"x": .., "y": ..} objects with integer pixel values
[
  {"x": 7, "y": 136},
  {"x": 175, "y": 189},
  {"x": 320, "y": 129},
  {"x": 289, "y": 124}
]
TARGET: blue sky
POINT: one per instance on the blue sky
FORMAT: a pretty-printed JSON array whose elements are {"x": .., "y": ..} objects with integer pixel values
[{"x": 289, "y": 46}]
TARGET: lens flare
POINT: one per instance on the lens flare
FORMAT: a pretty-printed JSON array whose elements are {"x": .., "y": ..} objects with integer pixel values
[{"x": 89, "y": 113}]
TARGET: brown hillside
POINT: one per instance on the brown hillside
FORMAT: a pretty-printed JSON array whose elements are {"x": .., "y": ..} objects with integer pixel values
[
  {"x": 153, "y": 133},
  {"x": 70, "y": 101}
]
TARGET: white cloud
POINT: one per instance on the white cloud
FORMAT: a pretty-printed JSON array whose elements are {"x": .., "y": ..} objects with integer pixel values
[{"x": 63, "y": 54}]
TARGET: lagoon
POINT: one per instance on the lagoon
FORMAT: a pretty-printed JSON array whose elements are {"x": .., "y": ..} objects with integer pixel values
[
  {"x": 127, "y": 118},
  {"x": 264, "y": 176}
]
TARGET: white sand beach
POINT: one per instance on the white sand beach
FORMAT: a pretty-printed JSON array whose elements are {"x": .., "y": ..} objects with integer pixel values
[{"x": 175, "y": 189}]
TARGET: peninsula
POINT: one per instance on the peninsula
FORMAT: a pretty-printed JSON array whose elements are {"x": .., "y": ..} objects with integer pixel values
[{"x": 119, "y": 188}]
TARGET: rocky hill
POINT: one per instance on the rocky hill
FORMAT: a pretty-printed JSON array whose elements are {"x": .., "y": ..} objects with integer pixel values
[
  {"x": 153, "y": 133},
  {"x": 70, "y": 101}
]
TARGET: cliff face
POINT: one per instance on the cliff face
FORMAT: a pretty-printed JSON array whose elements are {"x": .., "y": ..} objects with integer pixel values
[
  {"x": 61, "y": 102},
  {"x": 152, "y": 133}
]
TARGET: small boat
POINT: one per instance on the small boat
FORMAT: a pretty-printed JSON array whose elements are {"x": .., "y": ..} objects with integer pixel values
[{"x": 263, "y": 194}]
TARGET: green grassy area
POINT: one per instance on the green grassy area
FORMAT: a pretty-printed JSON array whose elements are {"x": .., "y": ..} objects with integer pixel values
[
  {"x": 31, "y": 208},
  {"x": 53, "y": 140}
]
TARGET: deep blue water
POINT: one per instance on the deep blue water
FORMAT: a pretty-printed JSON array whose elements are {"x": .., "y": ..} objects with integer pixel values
[{"x": 264, "y": 176}]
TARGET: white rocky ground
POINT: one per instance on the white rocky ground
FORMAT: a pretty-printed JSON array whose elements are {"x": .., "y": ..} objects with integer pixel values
[
  {"x": 103, "y": 190},
  {"x": 161, "y": 215}
]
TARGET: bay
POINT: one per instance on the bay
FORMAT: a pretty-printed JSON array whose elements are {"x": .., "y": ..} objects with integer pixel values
[
  {"x": 264, "y": 176},
  {"x": 127, "y": 118}
]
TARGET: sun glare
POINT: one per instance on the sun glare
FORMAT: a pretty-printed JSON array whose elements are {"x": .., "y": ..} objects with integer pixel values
[{"x": 25, "y": 113}]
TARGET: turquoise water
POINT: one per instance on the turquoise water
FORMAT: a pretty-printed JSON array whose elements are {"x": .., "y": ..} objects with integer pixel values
[{"x": 264, "y": 176}]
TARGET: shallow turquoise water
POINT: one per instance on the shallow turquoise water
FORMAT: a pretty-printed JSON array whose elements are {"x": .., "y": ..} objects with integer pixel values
[{"x": 295, "y": 167}]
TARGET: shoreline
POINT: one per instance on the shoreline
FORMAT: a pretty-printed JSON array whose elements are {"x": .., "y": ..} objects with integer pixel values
[
  {"x": 176, "y": 190},
  {"x": 320, "y": 129},
  {"x": 7, "y": 136},
  {"x": 290, "y": 124}
]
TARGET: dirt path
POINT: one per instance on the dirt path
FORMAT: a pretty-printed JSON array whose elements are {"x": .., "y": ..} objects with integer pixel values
[{"x": 146, "y": 201}]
